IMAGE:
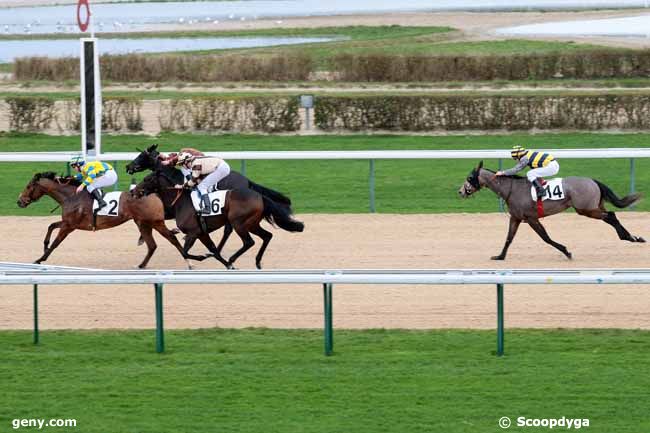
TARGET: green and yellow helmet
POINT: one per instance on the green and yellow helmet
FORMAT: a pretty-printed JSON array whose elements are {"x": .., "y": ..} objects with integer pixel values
[
  {"x": 77, "y": 161},
  {"x": 517, "y": 152}
]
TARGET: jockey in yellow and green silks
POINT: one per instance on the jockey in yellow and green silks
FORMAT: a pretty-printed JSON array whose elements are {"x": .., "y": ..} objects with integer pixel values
[
  {"x": 542, "y": 165},
  {"x": 93, "y": 175}
]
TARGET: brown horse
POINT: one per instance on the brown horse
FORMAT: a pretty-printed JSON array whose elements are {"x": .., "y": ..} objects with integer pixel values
[
  {"x": 77, "y": 214},
  {"x": 244, "y": 209}
]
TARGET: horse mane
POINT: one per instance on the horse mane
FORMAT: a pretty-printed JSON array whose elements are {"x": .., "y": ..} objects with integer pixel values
[
  {"x": 70, "y": 180},
  {"x": 512, "y": 176}
]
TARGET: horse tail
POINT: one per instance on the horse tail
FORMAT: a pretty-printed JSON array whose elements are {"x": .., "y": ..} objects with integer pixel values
[
  {"x": 609, "y": 195},
  {"x": 280, "y": 215},
  {"x": 276, "y": 196}
]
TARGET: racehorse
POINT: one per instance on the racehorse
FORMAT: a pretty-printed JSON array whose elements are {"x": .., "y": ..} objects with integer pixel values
[
  {"x": 148, "y": 159},
  {"x": 585, "y": 195},
  {"x": 77, "y": 214},
  {"x": 244, "y": 209}
]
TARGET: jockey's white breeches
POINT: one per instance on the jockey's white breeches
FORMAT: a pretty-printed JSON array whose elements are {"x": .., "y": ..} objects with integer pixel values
[
  {"x": 107, "y": 179},
  {"x": 550, "y": 170},
  {"x": 213, "y": 178}
]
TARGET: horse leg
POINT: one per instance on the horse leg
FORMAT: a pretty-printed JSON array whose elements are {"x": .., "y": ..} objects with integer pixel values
[
  {"x": 50, "y": 229},
  {"x": 512, "y": 231},
  {"x": 64, "y": 231},
  {"x": 227, "y": 230},
  {"x": 246, "y": 239},
  {"x": 610, "y": 218},
  {"x": 266, "y": 238},
  {"x": 207, "y": 241},
  {"x": 541, "y": 231},
  {"x": 167, "y": 234},
  {"x": 145, "y": 233}
]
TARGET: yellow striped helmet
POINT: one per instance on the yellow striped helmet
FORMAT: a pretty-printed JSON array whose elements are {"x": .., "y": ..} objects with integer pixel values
[{"x": 517, "y": 152}]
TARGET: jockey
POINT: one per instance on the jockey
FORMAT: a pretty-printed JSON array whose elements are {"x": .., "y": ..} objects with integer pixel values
[
  {"x": 172, "y": 159},
  {"x": 205, "y": 172},
  {"x": 542, "y": 164},
  {"x": 93, "y": 175}
]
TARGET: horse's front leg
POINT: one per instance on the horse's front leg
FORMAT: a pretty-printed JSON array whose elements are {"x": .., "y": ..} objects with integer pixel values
[
  {"x": 50, "y": 229},
  {"x": 205, "y": 240},
  {"x": 541, "y": 231},
  {"x": 64, "y": 231},
  {"x": 512, "y": 231},
  {"x": 227, "y": 231}
]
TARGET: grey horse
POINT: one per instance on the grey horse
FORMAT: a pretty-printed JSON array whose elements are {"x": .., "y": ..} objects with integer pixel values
[{"x": 585, "y": 195}]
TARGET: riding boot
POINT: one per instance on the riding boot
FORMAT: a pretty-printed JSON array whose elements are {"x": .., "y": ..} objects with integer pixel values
[
  {"x": 100, "y": 200},
  {"x": 205, "y": 204},
  {"x": 539, "y": 189}
]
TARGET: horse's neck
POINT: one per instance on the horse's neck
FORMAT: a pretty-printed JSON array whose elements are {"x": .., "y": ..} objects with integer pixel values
[
  {"x": 58, "y": 191},
  {"x": 501, "y": 185}
]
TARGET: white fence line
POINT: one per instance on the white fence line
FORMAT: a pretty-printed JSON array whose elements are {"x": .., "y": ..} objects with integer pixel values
[
  {"x": 352, "y": 154},
  {"x": 363, "y": 276},
  {"x": 10, "y": 273}
]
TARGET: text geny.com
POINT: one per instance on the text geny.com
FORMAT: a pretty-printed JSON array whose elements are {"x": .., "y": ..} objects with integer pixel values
[{"x": 40, "y": 423}]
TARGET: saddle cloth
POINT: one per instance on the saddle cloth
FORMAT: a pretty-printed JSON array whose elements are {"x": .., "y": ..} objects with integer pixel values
[
  {"x": 554, "y": 190},
  {"x": 217, "y": 201},
  {"x": 112, "y": 208}
]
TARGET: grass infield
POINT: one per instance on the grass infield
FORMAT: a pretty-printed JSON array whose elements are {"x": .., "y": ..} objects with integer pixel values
[
  {"x": 256, "y": 380},
  {"x": 323, "y": 186}
]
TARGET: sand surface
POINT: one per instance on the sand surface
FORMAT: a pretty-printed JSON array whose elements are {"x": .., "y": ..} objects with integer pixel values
[{"x": 343, "y": 241}]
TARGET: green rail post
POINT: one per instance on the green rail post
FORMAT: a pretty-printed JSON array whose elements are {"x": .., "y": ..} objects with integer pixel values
[
  {"x": 243, "y": 167},
  {"x": 371, "y": 185},
  {"x": 632, "y": 178},
  {"x": 329, "y": 335},
  {"x": 160, "y": 336},
  {"x": 35, "y": 313},
  {"x": 116, "y": 186},
  {"x": 499, "y": 319},
  {"x": 67, "y": 169},
  {"x": 500, "y": 199}
]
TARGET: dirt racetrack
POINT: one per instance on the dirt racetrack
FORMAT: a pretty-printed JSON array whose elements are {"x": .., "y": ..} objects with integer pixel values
[{"x": 343, "y": 241}]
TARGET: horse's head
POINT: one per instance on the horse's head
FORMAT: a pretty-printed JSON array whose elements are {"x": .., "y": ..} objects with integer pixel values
[
  {"x": 145, "y": 160},
  {"x": 36, "y": 188},
  {"x": 472, "y": 183}
]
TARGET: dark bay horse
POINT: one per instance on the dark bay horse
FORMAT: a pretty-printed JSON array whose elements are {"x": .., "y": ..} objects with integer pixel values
[
  {"x": 77, "y": 214},
  {"x": 585, "y": 195},
  {"x": 244, "y": 209},
  {"x": 148, "y": 159}
]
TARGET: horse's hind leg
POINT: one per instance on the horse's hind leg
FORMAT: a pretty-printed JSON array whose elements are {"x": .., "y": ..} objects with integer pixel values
[
  {"x": 145, "y": 233},
  {"x": 512, "y": 231},
  {"x": 50, "y": 229},
  {"x": 64, "y": 231},
  {"x": 541, "y": 231},
  {"x": 266, "y": 238},
  {"x": 610, "y": 218}
]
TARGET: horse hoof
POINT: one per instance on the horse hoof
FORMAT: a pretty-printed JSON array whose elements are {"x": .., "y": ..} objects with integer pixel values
[
  {"x": 175, "y": 231},
  {"x": 140, "y": 241},
  {"x": 640, "y": 239},
  {"x": 231, "y": 267},
  {"x": 497, "y": 257},
  {"x": 569, "y": 256},
  {"x": 258, "y": 265}
]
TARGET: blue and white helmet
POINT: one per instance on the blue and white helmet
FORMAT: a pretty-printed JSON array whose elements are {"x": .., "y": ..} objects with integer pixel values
[{"x": 77, "y": 161}]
